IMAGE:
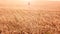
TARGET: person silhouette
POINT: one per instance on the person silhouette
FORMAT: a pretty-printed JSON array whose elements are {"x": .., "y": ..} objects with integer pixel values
[{"x": 28, "y": 3}]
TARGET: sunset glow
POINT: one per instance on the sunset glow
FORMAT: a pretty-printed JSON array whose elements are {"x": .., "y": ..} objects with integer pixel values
[
  {"x": 29, "y": 16},
  {"x": 26, "y": 1}
]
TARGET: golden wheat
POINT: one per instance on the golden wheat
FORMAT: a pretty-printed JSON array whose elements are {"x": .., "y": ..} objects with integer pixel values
[{"x": 20, "y": 21}]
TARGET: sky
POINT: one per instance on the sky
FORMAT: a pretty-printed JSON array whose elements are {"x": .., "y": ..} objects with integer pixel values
[
  {"x": 22, "y": 1},
  {"x": 36, "y": 3}
]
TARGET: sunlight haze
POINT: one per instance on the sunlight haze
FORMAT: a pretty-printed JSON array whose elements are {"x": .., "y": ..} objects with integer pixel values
[{"x": 40, "y": 4}]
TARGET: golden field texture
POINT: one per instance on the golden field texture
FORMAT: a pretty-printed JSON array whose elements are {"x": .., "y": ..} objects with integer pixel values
[{"x": 21, "y": 21}]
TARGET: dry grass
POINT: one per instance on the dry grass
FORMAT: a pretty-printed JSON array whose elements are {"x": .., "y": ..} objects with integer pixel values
[{"x": 20, "y": 21}]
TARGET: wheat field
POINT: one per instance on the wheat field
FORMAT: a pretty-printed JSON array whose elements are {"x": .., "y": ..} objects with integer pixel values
[{"x": 21, "y": 21}]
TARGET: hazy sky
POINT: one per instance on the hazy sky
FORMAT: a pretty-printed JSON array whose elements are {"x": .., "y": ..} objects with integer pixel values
[{"x": 24, "y": 2}]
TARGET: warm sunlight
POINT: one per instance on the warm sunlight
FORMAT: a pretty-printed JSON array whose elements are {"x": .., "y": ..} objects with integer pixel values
[
  {"x": 26, "y": 1},
  {"x": 29, "y": 16}
]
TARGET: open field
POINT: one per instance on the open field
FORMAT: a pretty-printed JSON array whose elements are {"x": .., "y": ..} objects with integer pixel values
[
  {"x": 21, "y": 21},
  {"x": 40, "y": 17}
]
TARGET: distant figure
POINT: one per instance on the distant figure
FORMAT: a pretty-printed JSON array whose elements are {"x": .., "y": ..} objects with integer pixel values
[{"x": 28, "y": 3}]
